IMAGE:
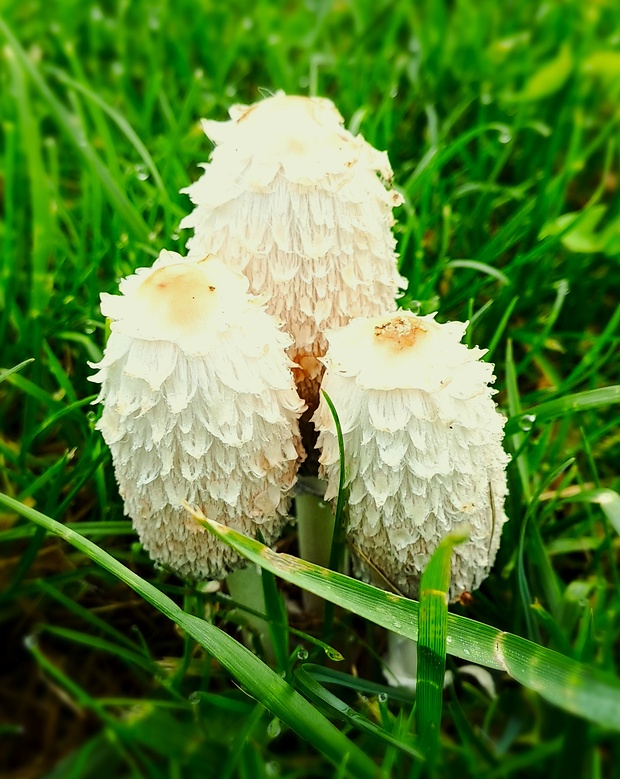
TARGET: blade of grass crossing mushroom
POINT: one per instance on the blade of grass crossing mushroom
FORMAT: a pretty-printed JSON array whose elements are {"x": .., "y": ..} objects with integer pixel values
[
  {"x": 338, "y": 539},
  {"x": 582, "y": 690},
  {"x": 432, "y": 634},
  {"x": 335, "y": 557},
  {"x": 263, "y": 684}
]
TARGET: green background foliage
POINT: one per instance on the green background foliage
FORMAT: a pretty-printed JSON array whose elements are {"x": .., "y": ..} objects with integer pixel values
[{"x": 501, "y": 122}]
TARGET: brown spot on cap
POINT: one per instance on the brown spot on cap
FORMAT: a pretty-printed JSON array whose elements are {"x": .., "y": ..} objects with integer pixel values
[
  {"x": 400, "y": 332},
  {"x": 176, "y": 293}
]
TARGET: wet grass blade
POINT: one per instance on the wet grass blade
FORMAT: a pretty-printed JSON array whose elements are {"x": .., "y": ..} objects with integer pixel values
[
  {"x": 574, "y": 687},
  {"x": 315, "y": 691},
  {"x": 553, "y": 409},
  {"x": 251, "y": 673},
  {"x": 432, "y": 634}
]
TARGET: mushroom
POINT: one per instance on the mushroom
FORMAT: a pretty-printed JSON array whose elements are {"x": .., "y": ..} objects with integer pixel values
[
  {"x": 304, "y": 209},
  {"x": 422, "y": 439},
  {"x": 199, "y": 406}
]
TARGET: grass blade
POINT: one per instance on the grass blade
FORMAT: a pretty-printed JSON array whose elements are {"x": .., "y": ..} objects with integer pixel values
[
  {"x": 574, "y": 687},
  {"x": 608, "y": 500},
  {"x": 251, "y": 673},
  {"x": 432, "y": 633},
  {"x": 117, "y": 197},
  {"x": 311, "y": 688},
  {"x": 6, "y": 372},
  {"x": 553, "y": 409}
]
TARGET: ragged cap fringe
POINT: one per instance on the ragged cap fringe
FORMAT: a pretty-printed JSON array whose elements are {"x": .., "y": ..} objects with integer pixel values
[
  {"x": 422, "y": 439},
  {"x": 199, "y": 406},
  {"x": 304, "y": 209}
]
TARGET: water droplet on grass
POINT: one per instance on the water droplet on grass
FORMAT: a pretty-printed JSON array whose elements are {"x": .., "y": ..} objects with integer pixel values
[
  {"x": 382, "y": 697},
  {"x": 31, "y": 642},
  {"x": 526, "y": 422},
  {"x": 274, "y": 728},
  {"x": 302, "y": 654}
]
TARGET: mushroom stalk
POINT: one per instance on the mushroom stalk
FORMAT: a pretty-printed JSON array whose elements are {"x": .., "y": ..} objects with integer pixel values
[
  {"x": 315, "y": 531},
  {"x": 245, "y": 587}
]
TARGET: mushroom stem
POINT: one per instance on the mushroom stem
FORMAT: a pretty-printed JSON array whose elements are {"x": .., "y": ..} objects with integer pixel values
[
  {"x": 401, "y": 661},
  {"x": 315, "y": 524},
  {"x": 245, "y": 587}
]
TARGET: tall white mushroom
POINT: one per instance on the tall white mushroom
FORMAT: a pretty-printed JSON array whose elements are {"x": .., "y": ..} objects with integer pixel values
[
  {"x": 422, "y": 439},
  {"x": 199, "y": 406},
  {"x": 304, "y": 209}
]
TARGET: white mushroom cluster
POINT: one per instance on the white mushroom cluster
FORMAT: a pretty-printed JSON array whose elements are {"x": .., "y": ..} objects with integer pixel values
[
  {"x": 199, "y": 406},
  {"x": 197, "y": 379},
  {"x": 422, "y": 438},
  {"x": 304, "y": 209}
]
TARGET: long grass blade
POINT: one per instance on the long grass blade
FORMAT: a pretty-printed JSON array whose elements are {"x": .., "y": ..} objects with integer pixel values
[
  {"x": 432, "y": 634},
  {"x": 250, "y": 672},
  {"x": 553, "y": 409},
  {"x": 574, "y": 687}
]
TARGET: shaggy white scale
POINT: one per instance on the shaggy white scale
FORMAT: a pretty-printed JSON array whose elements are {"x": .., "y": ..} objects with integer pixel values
[
  {"x": 199, "y": 406},
  {"x": 422, "y": 437},
  {"x": 304, "y": 209}
]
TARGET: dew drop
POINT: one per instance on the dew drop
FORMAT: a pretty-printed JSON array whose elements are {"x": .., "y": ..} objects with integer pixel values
[
  {"x": 142, "y": 173},
  {"x": 526, "y": 422},
  {"x": 334, "y": 655},
  {"x": 448, "y": 639},
  {"x": 397, "y": 625},
  {"x": 382, "y": 697},
  {"x": 505, "y": 138},
  {"x": 194, "y": 698},
  {"x": 302, "y": 654},
  {"x": 31, "y": 642},
  {"x": 274, "y": 728}
]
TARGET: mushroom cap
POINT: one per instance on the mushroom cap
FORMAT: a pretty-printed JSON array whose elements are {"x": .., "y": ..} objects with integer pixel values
[
  {"x": 422, "y": 439},
  {"x": 303, "y": 208},
  {"x": 404, "y": 351},
  {"x": 304, "y": 136},
  {"x": 199, "y": 406},
  {"x": 177, "y": 301}
]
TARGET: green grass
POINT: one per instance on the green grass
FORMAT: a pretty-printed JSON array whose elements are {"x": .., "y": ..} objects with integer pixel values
[{"x": 502, "y": 124}]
